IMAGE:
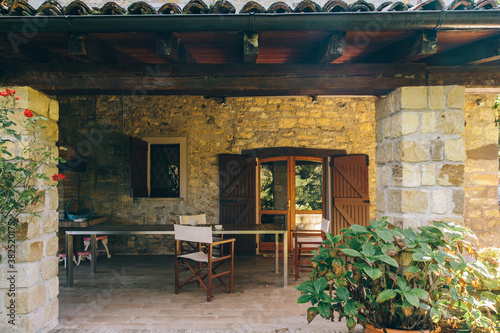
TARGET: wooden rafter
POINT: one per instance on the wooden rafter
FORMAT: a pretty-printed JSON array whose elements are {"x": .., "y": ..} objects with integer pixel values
[{"x": 329, "y": 49}]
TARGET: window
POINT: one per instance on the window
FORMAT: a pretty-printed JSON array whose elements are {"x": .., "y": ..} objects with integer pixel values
[{"x": 158, "y": 167}]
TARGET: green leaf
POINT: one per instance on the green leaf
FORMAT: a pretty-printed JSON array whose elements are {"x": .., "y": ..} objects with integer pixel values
[
  {"x": 412, "y": 299},
  {"x": 304, "y": 298},
  {"x": 350, "y": 308},
  {"x": 420, "y": 293},
  {"x": 368, "y": 249},
  {"x": 359, "y": 228},
  {"x": 402, "y": 284},
  {"x": 333, "y": 239},
  {"x": 324, "y": 309},
  {"x": 320, "y": 284},
  {"x": 351, "y": 252},
  {"x": 385, "y": 235},
  {"x": 306, "y": 287},
  {"x": 372, "y": 272},
  {"x": 351, "y": 322},
  {"x": 343, "y": 293},
  {"x": 421, "y": 256},
  {"x": 413, "y": 269},
  {"x": 388, "y": 260},
  {"x": 385, "y": 295}
]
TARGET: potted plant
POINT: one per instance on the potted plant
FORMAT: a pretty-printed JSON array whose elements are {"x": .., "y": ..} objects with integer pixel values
[{"x": 385, "y": 277}]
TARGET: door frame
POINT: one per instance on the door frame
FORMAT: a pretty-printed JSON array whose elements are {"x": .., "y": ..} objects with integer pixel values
[{"x": 291, "y": 211}]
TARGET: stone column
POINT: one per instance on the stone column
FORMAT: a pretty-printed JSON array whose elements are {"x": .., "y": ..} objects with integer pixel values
[
  {"x": 420, "y": 155},
  {"x": 29, "y": 288}
]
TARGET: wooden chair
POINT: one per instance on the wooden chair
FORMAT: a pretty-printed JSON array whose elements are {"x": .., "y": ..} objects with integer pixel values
[
  {"x": 200, "y": 219},
  {"x": 197, "y": 261},
  {"x": 304, "y": 242}
]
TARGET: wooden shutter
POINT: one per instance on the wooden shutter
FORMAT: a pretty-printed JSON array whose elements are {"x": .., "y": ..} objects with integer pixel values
[
  {"x": 237, "y": 190},
  {"x": 138, "y": 168},
  {"x": 350, "y": 197}
]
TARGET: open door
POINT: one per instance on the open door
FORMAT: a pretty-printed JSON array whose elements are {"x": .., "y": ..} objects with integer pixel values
[
  {"x": 350, "y": 192},
  {"x": 237, "y": 195}
]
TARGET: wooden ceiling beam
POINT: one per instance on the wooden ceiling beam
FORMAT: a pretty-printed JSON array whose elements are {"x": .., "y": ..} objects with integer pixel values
[
  {"x": 241, "y": 79},
  {"x": 479, "y": 52},
  {"x": 418, "y": 46},
  {"x": 328, "y": 49},
  {"x": 250, "y": 47}
]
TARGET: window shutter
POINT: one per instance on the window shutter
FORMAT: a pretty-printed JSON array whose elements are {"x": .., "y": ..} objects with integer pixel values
[
  {"x": 138, "y": 168},
  {"x": 350, "y": 191},
  {"x": 237, "y": 194}
]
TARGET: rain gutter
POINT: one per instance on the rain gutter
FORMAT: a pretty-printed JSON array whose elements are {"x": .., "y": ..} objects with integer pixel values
[{"x": 360, "y": 21}]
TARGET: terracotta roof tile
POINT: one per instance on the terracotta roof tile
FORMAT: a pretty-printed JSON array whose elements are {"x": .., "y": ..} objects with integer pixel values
[{"x": 78, "y": 7}]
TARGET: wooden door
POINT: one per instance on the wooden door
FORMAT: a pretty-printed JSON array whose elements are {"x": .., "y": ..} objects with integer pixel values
[
  {"x": 237, "y": 195},
  {"x": 350, "y": 193}
]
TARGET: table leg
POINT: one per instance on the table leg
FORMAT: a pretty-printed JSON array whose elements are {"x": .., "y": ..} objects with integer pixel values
[
  {"x": 69, "y": 260},
  {"x": 276, "y": 253},
  {"x": 93, "y": 253},
  {"x": 285, "y": 259}
]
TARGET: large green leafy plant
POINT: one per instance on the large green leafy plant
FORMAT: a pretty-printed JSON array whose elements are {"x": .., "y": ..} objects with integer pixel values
[
  {"x": 399, "y": 278},
  {"x": 22, "y": 159}
]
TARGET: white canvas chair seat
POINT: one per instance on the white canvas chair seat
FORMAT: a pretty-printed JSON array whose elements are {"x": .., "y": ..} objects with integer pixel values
[
  {"x": 201, "y": 219},
  {"x": 304, "y": 242},
  {"x": 197, "y": 261}
]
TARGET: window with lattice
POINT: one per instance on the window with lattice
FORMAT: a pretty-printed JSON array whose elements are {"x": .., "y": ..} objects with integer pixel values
[{"x": 165, "y": 171}]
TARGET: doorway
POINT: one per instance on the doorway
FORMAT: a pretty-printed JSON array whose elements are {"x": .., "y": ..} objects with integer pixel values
[{"x": 291, "y": 193}]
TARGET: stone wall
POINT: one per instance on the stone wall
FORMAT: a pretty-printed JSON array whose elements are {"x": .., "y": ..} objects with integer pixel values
[
  {"x": 481, "y": 169},
  {"x": 29, "y": 289},
  {"x": 100, "y": 127},
  {"x": 420, "y": 154}
]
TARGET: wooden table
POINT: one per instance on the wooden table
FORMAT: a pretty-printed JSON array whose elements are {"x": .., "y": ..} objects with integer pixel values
[{"x": 168, "y": 229}]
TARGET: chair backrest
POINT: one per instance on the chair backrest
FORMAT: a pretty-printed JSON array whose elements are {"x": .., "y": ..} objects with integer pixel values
[
  {"x": 200, "y": 219},
  {"x": 193, "y": 234},
  {"x": 325, "y": 225}
]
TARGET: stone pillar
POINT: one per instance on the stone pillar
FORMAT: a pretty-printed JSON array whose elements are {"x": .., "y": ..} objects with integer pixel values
[
  {"x": 481, "y": 169},
  {"x": 29, "y": 288},
  {"x": 420, "y": 155}
]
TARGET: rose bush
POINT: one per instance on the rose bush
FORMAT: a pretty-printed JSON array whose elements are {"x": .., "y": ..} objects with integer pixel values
[{"x": 22, "y": 159}]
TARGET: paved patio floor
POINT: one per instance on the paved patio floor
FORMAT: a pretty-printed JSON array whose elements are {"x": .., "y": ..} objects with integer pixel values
[{"x": 136, "y": 294}]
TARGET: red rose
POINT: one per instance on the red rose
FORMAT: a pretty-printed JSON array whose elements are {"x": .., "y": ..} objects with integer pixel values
[
  {"x": 4, "y": 94},
  {"x": 58, "y": 177},
  {"x": 17, "y": 98},
  {"x": 28, "y": 113}
]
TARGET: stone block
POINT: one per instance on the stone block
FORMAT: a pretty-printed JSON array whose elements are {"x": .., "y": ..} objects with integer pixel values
[
  {"x": 384, "y": 107},
  {"x": 32, "y": 99},
  {"x": 29, "y": 227},
  {"x": 409, "y": 123},
  {"x": 287, "y": 122},
  {"x": 428, "y": 174},
  {"x": 455, "y": 98},
  {"x": 29, "y": 251},
  {"x": 486, "y": 179},
  {"x": 414, "y": 151},
  {"x": 436, "y": 98},
  {"x": 50, "y": 267},
  {"x": 437, "y": 150},
  {"x": 451, "y": 175},
  {"x": 451, "y": 122},
  {"x": 53, "y": 287},
  {"x": 27, "y": 275},
  {"x": 379, "y": 131},
  {"x": 439, "y": 201},
  {"x": 455, "y": 150},
  {"x": 411, "y": 175},
  {"x": 394, "y": 201},
  {"x": 54, "y": 110},
  {"x": 51, "y": 245},
  {"x": 51, "y": 221},
  {"x": 385, "y": 175},
  {"x": 29, "y": 299},
  {"x": 387, "y": 127},
  {"x": 52, "y": 198},
  {"x": 380, "y": 202},
  {"x": 414, "y": 201},
  {"x": 396, "y": 126},
  {"x": 414, "y": 98},
  {"x": 51, "y": 131},
  {"x": 428, "y": 122},
  {"x": 51, "y": 312}
]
